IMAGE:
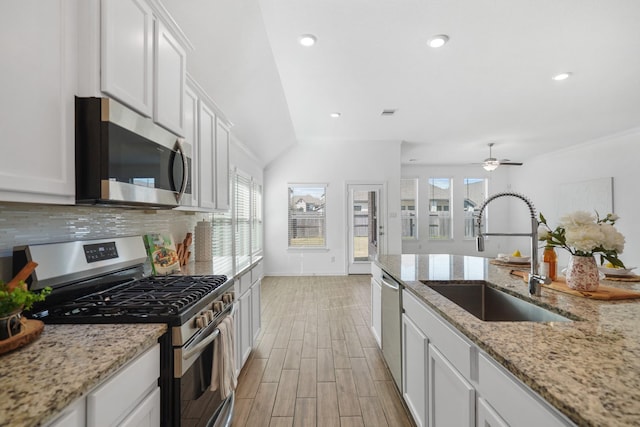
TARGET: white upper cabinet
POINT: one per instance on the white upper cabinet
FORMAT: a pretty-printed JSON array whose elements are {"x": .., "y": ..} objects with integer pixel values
[
  {"x": 223, "y": 137},
  {"x": 142, "y": 63},
  {"x": 127, "y": 53},
  {"x": 191, "y": 136},
  {"x": 170, "y": 73},
  {"x": 206, "y": 136},
  {"x": 38, "y": 83},
  {"x": 210, "y": 136}
]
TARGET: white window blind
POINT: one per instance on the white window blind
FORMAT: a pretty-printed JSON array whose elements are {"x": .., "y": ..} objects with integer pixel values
[
  {"x": 223, "y": 243},
  {"x": 440, "y": 209},
  {"x": 475, "y": 193},
  {"x": 242, "y": 217},
  {"x": 256, "y": 219},
  {"x": 307, "y": 216},
  {"x": 408, "y": 200}
]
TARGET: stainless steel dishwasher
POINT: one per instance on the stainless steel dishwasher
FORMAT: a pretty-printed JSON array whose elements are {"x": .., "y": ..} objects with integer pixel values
[{"x": 391, "y": 326}]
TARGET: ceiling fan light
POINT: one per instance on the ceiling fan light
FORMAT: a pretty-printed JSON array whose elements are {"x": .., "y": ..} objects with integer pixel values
[{"x": 490, "y": 165}]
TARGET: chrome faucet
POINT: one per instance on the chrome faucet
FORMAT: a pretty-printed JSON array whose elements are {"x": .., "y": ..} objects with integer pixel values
[{"x": 535, "y": 279}]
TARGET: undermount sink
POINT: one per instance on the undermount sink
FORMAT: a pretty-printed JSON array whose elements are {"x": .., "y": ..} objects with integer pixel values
[{"x": 490, "y": 304}]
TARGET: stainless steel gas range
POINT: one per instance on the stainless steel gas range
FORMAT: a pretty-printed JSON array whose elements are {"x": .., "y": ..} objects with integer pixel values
[{"x": 105, "y": 281}]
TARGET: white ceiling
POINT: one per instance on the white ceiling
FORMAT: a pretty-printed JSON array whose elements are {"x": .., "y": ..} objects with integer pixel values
[{"x": 490, "y": 83}]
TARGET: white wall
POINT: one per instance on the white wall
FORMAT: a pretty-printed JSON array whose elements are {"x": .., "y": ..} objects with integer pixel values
[
  {"x": 498, "y": 215},
  {"x": 615, "y": 156},
  {"x": 242, "y": 159},
  {"x": 335, "y": 164}
]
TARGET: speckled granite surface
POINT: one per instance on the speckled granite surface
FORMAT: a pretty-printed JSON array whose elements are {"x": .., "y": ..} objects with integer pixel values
[
  {"x": 66, "y": 361},
  {"x": 588, "y": 369}
]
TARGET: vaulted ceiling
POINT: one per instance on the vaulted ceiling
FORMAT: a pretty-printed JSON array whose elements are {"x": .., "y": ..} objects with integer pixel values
[{"x": 492, "y": 82}]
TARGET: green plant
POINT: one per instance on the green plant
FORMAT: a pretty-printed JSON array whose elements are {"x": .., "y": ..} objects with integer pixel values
[{"x": 20, "y": 298}]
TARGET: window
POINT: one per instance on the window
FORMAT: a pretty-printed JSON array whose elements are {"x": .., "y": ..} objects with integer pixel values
[
  {"x": 223, "y": 243},
  {"x": 475, "y": 192},
  {"x": 242, "y": 217},
  {"x": 256, "y": 218},
  {"x": 408, "y": 201},
  {"x": 440, "y": 209},
  {"x": 307, "y": 216}
]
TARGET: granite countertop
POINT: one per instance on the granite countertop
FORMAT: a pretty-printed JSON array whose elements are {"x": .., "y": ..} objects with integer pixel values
[
  {"x": 209, "y": 267},
  {"x": 65, "y": 362},
  {"x": 588, "y": 369}
]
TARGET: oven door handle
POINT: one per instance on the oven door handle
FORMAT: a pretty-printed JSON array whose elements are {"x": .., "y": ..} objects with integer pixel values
[
  {"x": 187, "y": 354},
  {"x": 202, "y": 345}
]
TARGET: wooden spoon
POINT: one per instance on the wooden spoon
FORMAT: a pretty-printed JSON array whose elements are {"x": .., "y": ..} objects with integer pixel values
[{"x": 22, "y": 276}]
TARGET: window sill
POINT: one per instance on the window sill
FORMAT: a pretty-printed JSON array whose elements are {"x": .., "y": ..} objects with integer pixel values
[{"x": 309, "y": 249}]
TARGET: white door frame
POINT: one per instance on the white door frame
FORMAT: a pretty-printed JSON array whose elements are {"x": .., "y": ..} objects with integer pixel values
[{"x": 364, "y": 267}]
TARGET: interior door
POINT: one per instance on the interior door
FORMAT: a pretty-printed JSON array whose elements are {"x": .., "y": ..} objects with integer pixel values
[{"x": 365, "y": 226}]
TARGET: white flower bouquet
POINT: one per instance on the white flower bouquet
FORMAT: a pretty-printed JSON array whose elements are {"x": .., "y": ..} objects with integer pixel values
[{"x": 583, "y": 234}]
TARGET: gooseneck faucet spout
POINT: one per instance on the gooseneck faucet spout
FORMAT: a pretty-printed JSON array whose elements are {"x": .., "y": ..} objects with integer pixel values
[{"x": 535, "y": 280}]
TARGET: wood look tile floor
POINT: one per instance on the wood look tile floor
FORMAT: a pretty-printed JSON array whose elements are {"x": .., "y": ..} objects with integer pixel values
[{"x": 316, "y": 362}]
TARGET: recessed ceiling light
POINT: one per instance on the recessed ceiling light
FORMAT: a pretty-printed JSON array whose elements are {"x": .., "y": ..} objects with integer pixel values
[
  {"x": 413, "y": 160},
  {"x": 335, "y": 115},
  {"x": 562, "y": 76},
  {"x": 307, "y": 40},
  {"x": 388, "y": 112},
  {"x": 438, "y": 41}
]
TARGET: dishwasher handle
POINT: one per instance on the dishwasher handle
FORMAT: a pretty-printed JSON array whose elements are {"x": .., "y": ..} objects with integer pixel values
[{"x": 392, "y": 284}]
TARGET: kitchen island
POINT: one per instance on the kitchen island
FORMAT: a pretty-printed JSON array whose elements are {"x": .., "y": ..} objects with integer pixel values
[
  {"x": 63, "y": 364},
  {"x": 588, "y": 369}
]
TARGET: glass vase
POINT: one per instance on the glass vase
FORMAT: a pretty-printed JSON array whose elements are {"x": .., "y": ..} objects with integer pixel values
[{"x": 582, "y": 273}]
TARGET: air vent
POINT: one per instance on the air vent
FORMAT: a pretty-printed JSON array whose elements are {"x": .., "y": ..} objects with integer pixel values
[{"x": 388, "y": 112}]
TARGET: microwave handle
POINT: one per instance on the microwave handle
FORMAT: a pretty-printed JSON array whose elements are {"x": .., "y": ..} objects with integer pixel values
[{"x": 185, "y": 168}]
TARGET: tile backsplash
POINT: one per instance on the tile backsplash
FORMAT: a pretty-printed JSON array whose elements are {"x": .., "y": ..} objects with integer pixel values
[{"x": 22, "y": 224}]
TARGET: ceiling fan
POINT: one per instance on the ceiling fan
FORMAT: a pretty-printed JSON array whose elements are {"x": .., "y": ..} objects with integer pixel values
[{"x": 491, "y": 163}]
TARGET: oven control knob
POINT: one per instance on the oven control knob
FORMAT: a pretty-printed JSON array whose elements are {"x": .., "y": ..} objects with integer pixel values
[
  {"x": 218, "y": 306},
  {"x": 228, "y": 297},
  {"x": 209, "y": 315},
  {"x": 201, "y": 322}
]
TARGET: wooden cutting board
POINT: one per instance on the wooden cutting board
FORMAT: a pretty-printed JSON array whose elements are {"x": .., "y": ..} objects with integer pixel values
[
  {"x": 602, "y": 293},
  {"x": 500, "y": 263},
  {"x": 31, "y": 329}
]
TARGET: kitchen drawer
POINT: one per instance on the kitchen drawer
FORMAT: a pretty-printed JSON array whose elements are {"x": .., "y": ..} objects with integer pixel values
[
  {"x": 458, "y": 350},
  {"x": 244, "y": 283},
  {"x": 513, "y": 401},
  {"x": 110, "y": 402},
  {"x": 257, "y": 272}
]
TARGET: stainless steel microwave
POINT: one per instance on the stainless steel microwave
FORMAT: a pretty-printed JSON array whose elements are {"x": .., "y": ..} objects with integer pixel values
[{"x": 123, "y": 158}]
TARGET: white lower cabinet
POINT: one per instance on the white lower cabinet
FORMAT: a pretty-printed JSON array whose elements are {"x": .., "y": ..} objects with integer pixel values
[
  {"x": 129, "y": 398},
  {"x": 487, "y": 416},
  {"x": 376, "y": 303},
  {"x": 376, "y": 310},
  {"x": 449, "y": 381},
  {"x": 246, "y": 337},
  {"x": 255, "y": 309},
  {"x": 73, "y": 415},
  {"x": 248, "y": 319},
  {"x": 146, "y": 414},
  {"x": 513, "y": 402},
  {"x": 414, "y": 371},
  {"x": 451, "y": 396},
  {"x": 124, "y": 393}
]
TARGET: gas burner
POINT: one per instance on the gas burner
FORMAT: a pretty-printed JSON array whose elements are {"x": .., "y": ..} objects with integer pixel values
[{"x": 150, "y": 297}]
